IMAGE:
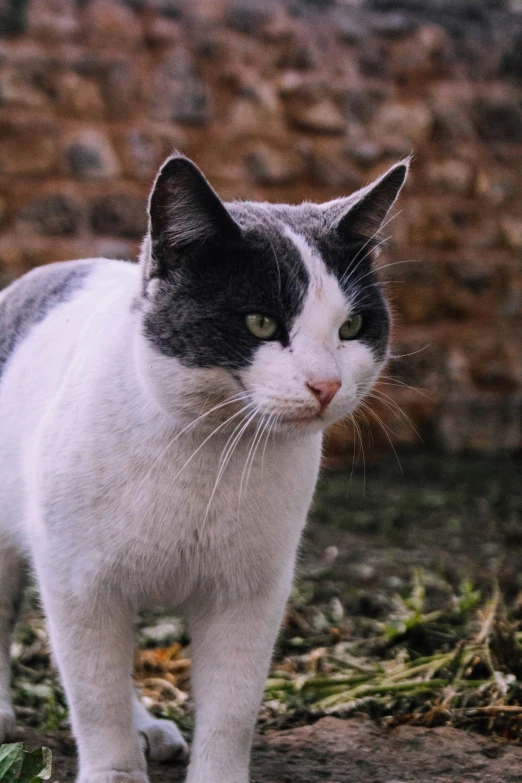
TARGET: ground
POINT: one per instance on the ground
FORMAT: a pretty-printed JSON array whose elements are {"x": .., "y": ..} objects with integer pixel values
[
  {"x": 399, "y": 659},
  {"x": 352, "y": 750}
]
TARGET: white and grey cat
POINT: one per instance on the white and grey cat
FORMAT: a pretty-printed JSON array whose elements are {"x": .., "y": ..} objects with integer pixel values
[{"x": 160, "y": 443}]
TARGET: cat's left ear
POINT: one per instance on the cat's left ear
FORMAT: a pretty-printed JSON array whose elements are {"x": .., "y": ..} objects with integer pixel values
[
  {"x": 185, "y": 213},
  {"x": 361, "y": 215}
]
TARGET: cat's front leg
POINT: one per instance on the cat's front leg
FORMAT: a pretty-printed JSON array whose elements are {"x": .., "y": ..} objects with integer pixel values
[
  {"x": 93, "y": 644},
  {"x": 231, "y": 649}
]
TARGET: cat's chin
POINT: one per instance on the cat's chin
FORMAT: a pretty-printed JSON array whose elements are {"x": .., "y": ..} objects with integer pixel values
[{"x": 305, "y": 423}]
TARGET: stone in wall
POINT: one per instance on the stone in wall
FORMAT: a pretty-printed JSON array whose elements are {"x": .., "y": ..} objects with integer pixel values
[
  {"x": 512, "y": 230},
  {"x": 52, "y": 20},
  {"x": 110, "y": 25},
  {"x": 498, "y": 114},
  {"x": 120, "y": 87},
  {"x": 120, "y": 215},
  {"x": 55, "y": 214},
  {"x": 268, "y": 165},
  {"x": 28, "y": 146},
  {"x": 178, "y": 92},
  {"x": 88, "y": 154}
]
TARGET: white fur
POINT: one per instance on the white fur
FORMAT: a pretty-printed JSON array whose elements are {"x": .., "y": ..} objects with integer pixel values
[{"x": 113, "y": 493}]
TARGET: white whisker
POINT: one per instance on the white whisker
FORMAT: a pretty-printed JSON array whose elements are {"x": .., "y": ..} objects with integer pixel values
[
  {"x": 381, "y": 227},
  {"x": 386, "y": 431},
  {"x": 404, "y": 355},
  {"x": 216, "y": 430},
  {"x": 236, "y": 398},
  {"x": 226, "y": 455},
  {"x": 345, "y": 279},
  {"x": 251, "y": 453},
  {"x": 395, "y": 409}
]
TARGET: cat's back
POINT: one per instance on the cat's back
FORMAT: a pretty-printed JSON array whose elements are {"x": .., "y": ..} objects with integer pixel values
[
  {"x": 28, "y": 301},
  {"x": 53, "y": 321}
]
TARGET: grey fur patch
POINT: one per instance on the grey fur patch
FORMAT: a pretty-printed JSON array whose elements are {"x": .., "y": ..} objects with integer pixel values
[
  {"x": 197, "y": 312},
  {"x": 27, "y": 301},
  {"x": 214, "y": 263}
]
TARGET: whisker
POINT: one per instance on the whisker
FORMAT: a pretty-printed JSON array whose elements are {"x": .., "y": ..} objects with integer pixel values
[
  {"x": 359, "y": 434},
  {"x": 226, "y": 457},
  {"x": 277, "y": 263},
  {"x": 381, "y": 227},
  {"x": 350, "y": 273},
  {"x": 214, "y": 432},
  {"x": 379, "y": 269},
  {"x": 353, "y": 454},
  {"x": 388, "y": 428},
  {"x": 236, "y": 398},
  {"x": 366, "y": 424},
  {"x": 395, "y": 409},
  {"x": 250, "y": 457},
  {"x": 365, "y": 256},
  {"x": 403, "y": 355},
  {"x": 222, "y": 464},
  {"x": 271, "y": 425},
  {"x": 385, "y": 430},
  {"x": 391, "y": 381},
  {"x": 258, "y": 439}
]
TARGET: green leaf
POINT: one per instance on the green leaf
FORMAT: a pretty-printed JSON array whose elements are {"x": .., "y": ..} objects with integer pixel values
[
  {"x": 36, "y": 766},
  {"x": 17, "y": 766},
  {"x": 11, "y": 760}
]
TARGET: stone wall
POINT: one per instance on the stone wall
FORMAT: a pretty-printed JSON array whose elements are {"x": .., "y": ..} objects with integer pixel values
[{"x": 303, "y": 99}]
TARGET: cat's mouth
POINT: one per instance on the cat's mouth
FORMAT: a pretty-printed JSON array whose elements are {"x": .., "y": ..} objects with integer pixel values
[{"x": 304, "y": 418}]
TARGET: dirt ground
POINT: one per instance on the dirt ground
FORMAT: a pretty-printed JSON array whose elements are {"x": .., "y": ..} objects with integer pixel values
[
  {"x": 349, "y": 751},
  {"x": 407, "y": 580}
]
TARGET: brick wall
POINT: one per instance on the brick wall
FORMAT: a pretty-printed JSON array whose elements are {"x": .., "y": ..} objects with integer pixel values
[{"x": 289, "y": 101}]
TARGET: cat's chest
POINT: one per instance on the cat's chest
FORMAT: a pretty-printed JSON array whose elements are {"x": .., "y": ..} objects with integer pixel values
[
  {"x": 213, "y": 515},
  {"x": 171, "y": 515},
  {"x": 190, "y": 521},
  {"x": 199, "y": 490}
]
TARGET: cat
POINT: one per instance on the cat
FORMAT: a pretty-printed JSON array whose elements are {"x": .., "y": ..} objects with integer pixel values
[{"x": 161, "y": 428}]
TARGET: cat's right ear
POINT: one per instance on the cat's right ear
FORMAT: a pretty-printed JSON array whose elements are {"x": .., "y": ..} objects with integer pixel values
[{"x": 185, "y": 213}]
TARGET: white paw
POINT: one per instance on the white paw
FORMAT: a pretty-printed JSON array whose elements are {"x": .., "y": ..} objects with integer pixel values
[
  {"x": 7, "y": 726},
  {"x": 112, "y": 776},
  {"x": 164, "y": 741}
]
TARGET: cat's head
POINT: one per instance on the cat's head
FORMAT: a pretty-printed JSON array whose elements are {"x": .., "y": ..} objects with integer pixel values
[{"x": 266, "y": 310}]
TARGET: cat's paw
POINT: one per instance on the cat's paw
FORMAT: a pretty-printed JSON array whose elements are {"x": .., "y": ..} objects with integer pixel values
[
  {"x": 164, "y": 742},
  {"x": 112, "y": 776},
  {"x": 7, "y": 726}
]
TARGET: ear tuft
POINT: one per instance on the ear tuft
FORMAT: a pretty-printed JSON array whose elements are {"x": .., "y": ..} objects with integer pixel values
[
  {"x": 365, "y": 211},
  {"x": 184, "y": 211}
]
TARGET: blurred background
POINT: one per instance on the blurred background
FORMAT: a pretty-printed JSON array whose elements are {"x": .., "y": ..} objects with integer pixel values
[
  {"x": 410, "y": 572},
  {"x": 288, "y": 100}
]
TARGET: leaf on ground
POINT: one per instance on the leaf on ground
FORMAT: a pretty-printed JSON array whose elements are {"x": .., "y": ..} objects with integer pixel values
[
  {"x": 36, "y": 766},
  {"x": 18, "y": 766},
  {"x": 11, "y": 760}
]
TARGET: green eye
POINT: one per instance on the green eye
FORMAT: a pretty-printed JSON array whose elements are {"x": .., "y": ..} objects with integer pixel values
[
  {"x": 351, "y": 327},
  {"x": 262, "y": 326}
]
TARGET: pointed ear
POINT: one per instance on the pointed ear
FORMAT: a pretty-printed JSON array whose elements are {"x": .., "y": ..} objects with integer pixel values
[
  {"x": 361, "y": 215},
  {"x": 184, "y": 213}
]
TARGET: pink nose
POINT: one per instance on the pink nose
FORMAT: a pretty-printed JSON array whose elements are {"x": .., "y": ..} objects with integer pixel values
[{"x": 324, "y": 391}]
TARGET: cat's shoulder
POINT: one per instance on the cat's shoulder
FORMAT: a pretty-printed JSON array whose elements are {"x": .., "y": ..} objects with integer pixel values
[{"x": 28, "y": 300}]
